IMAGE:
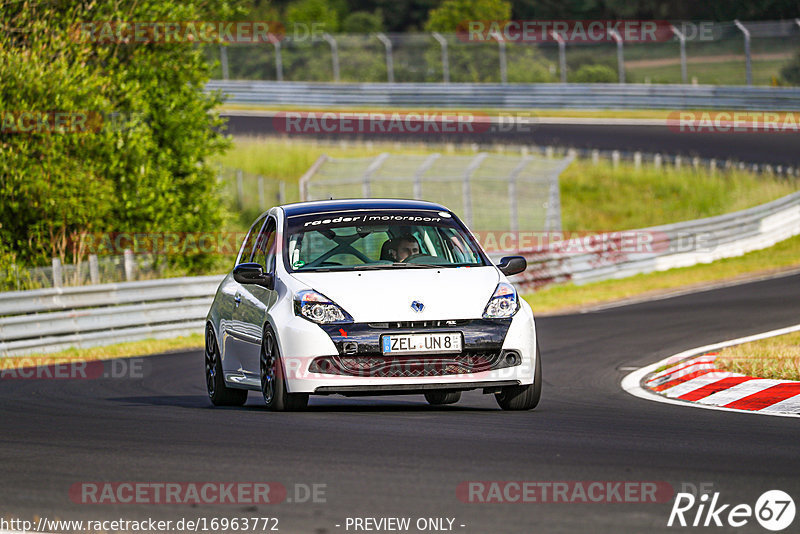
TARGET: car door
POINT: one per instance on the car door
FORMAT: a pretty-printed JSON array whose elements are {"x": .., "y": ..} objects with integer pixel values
[
  {"x": 255, "y": 301},
  {"x": 232, "y": 330}
]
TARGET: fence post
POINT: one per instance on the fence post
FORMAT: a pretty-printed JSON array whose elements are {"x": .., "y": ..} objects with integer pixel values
[
  {"x": 615, "y": 156},
  {"x": 657, "y": 161},
  {"x": 501, "y": 44},
  {"x": 389, "y": 59},
  {"x": 334, "y": 54},
  {"x": 620, "y": 56},
  {"x": 261, "y": 200},
  {"x": 223, "y": 61},
  {"x": 513, "y": 201},
  {"x": 466, "y": 191},
  {"x": 637, "y": 160},
  {"x": 128, "y": 264},
  {"x": 595, "y": 156},
  {"x": 304, "y": 195},
  {"x": 677, "y": 162},
  {"x": 94, "y": 269},
  {"x": 366, "y": 191},
  {"x": 562, "y": 56},
  {"x": 240, "y": 187},
  {"x": 420, "y": 172},
  {"x": 445, "y": 61},
  {"x": 58, "y": 274},
  {"x": 281, "y": 192},
  {"x": 278, "y": 56},
  {"x": 682, "y": 39},
  {"x": 747, "y": 63}
]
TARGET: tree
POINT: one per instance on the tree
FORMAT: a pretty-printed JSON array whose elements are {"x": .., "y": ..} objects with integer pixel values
[
  {"x": 453, "y": 13},
  {"x": 363, "y": 22},
  {"x": 142, "y": 166},
  {"x": 311, "y": 14}
]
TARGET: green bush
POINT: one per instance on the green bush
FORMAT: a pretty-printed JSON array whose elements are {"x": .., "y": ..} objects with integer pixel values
[
  {"x": 595, "y": 74},
  {"x": 790, "y": 73},
  {"x": 363, "y": 22}
]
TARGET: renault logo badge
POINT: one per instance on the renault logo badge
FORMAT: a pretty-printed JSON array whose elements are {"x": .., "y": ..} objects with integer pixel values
[{"x": 417, "y": 306}]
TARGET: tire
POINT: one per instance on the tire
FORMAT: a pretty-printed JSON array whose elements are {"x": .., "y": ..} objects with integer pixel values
[
  {"x": 218, "y": 392},
  {"x": 437, "y": 398},
  {"x": 523, "y": 397},
  {"x": 273, "y": 378}
]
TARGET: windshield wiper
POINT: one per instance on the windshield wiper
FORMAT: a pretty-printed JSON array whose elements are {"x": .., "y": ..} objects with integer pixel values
[
  {"x": 400, "y": 264},
  {"x": 374, "y": 267}
]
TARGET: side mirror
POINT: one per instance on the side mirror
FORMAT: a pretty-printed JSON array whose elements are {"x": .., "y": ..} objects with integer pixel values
[
  {"x": 512, "y": 265},
  {"x": 253, "y": 273}
]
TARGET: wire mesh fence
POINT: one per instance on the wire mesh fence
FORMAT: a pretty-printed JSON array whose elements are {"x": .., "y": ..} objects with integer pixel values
[
  {"x": 248, "y": 193},
  {"x": 92, "y": 270},
  {"x": 488, "y": 191},
  {"x": 726, "y": 53}
]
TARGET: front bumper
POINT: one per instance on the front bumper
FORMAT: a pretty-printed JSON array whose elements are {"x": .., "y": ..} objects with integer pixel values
[{"x": 346, "y": 359}]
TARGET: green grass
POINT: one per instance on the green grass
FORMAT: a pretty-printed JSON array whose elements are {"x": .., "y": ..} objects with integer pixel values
[
  {"x": 601, "y": 198},
  {"x": 718, "y": 73},
  {"x": 775, "y": 357},
  {"x": 284, "y": 159},
  {"x": 555, "y": 298}
]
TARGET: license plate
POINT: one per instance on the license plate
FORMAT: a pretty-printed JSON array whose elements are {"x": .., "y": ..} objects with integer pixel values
[{"x": 416, "y": 343}]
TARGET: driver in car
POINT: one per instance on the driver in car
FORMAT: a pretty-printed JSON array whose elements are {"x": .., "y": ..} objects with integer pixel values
[{"x": 402, "y": 247}]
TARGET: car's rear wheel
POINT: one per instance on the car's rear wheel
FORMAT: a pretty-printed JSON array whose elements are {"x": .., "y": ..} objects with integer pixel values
[
  {"x": 218, "y": 392},
  {"x": 523, "y": 397},
  {"x": 273, "y": 378},
  {"x": 437, "y": 398}
]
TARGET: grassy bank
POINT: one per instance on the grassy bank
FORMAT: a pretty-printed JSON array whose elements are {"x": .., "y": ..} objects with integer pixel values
[
  {"x": 776, "y": 357},
  {"x": 600, "y": 197},
  {"x": 783, "y": 255}
]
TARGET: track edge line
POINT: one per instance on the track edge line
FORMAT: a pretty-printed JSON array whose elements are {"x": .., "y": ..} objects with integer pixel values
[{"x": 631, "y": 383}]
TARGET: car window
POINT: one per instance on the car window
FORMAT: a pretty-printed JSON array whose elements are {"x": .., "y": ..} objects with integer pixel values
[
  {"x": 266, "y": 246},
  {"x": 381, "y": 239},
  {"x": 246, "y": 252}
]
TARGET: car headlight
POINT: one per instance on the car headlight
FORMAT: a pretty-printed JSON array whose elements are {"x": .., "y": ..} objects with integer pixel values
[
  {"x": 503, "y": 303},
  {"x": 318, "y": 308}
]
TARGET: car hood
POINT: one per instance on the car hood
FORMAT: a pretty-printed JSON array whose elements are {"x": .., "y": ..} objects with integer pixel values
[{"x": 386, "y": 295}]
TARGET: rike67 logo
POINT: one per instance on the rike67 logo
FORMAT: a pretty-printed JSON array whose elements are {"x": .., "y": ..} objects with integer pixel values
[{"x": 774, "y": 510}]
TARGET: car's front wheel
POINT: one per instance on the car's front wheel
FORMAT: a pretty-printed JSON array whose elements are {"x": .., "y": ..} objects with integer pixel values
[
  {"x": 273, "y": 378},
  {"x": 523, "y": 397},
  {"x": 218, "y": 392},
  {"x": 437, "y": 398}
]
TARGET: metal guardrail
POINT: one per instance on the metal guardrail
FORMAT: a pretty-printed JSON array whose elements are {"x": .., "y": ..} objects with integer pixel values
[
  {"x": 46, "y": 320},
  {"x": 661, "y": 247},
  {"x": 513, "y": 96}
]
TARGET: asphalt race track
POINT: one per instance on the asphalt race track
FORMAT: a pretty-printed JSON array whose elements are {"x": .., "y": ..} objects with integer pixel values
[
  {"x": 750, "y": 147},
  {"x": 399, "y": 457}
]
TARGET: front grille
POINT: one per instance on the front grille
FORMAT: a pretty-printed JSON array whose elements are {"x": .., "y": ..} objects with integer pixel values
[
  {"x": 378, "y": 365},
  {"x": 419, "y": 324}
]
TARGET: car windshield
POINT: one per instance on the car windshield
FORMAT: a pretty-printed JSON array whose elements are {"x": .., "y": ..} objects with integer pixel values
[{"x": 378, "y": 239}]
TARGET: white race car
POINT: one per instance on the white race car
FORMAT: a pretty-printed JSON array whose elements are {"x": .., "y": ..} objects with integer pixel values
[{"x": 369, "y": 297}]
